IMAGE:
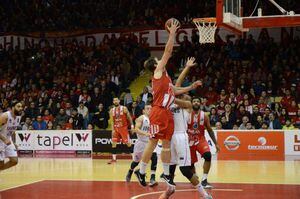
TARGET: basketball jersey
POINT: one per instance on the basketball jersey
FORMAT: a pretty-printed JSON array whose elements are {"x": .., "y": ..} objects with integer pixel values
[
  {"x": 11, "y": 125},
  {"x": 119, "y": 117},
  {"x": 163, "y": 94},
  {"x": 145, "y": 127},
  {"x": 180, "y": 119},
  {"x": 196, "y": 127}
]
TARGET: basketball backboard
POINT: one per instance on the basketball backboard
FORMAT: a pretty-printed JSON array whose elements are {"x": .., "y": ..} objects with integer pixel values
[{"x": 230, "y": 14}]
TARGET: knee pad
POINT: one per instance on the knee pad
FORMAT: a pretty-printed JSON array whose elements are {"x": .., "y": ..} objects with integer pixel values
[
  {"x": 207, "y": 156},
  {"x": 153, "y": 162},
  {"x": 186, "y": 171}
]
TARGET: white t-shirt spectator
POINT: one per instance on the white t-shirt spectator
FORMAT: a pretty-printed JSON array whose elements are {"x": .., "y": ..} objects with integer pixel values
[{"x": 83, "y": 111}]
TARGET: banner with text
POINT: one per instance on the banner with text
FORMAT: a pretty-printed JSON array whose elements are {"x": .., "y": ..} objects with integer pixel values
[
  {"x": 292, "y": 142},
  {"x": 102, "y": 142},
  {"x": 155, "y": 39},
  {"x": 251, "y": 145},
  {"x": 54, "y": 140}
]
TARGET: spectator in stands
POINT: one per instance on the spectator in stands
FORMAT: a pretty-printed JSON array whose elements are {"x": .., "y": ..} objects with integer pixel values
[
  {"x": 219, "y": 126},
  {"x": 27, "y": 124},
  {"x": 204, "y": 106},
  {"x": 245, "y": 120},
  {"x": 229, "y": 116},
  {"x": 32, "y": 112},
  {"x": 283, "y": 116},
  {"x": 58, "y": 127},
  {"x": 221, "y": 108},
  {"x": 292, "y": 110},
  {"x": 265, "y": 126},
  {"x": 69, "y": 124},
  {"x": 259, "y": 122},
  {"x": 235, "y": 127},
  {"x": 145, "y": 95},
  {"x": 60, "y": 119},
  {"x": 213, "y": 117},
  {"x": 90, "y": 127},
  {"x": 135, "y": 111},
  {"x": 77, "y": 119},
  {"x": 288, "y": 125},
  {"x": 39, "y": 123},
  {"x": 50, "y": 125},
  {"x": 83, "y": 110},
  {"x": 128, "y": 99},
  {"x": 47, "y": 116},
  {"x": 140, "y": 103},
  {"x": 249, "y": 126},
  {"x": 273, "y": 122},
  {"x": 254, "y": 115},
  {"x": 225, "y": 124},
  {"x": 241, "y": 113},
  {"x": 286, "y": 101},
  {"x": 100, "y": 118}
]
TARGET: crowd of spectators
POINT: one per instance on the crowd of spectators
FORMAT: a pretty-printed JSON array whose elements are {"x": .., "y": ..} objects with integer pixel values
[
  {"x": 69, "y": 86},
  {"x": 66, "y": 15},
  {"x": 247, "y": 84}
]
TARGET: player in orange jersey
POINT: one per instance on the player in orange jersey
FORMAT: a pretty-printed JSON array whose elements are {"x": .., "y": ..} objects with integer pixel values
[
  {"x": 120, "y": 118},
  {"x": 161, "y": 118}
]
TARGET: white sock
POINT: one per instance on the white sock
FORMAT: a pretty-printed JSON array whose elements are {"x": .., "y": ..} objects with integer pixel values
[
  {"x": 143, "y": 166},
  {"x": 114, "y": 156},
  {"x": 204, "y": 177},
  {"x": 166, "y": 167},
  {"x": 201, "y": 190},
  {"x": 152, "y": 172}
]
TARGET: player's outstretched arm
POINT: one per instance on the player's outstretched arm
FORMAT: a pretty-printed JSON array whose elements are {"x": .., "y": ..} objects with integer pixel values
[
  {"x": 211, "y": 132},
  {"x": 138, "y": 126},
  {"x": 190, "y": 63},
  {"x": 183, "y": 103},
  {"x": 182, "y": 90},
  {"x": 3, "y": 120},
  {"x": 161, "y": 67}
]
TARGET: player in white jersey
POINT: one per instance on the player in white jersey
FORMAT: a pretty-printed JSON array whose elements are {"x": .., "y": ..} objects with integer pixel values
[
  {"x": 180, "y": 149},
  {"x": 9, "y": 122},
  {"x": 142, "y": 126}
]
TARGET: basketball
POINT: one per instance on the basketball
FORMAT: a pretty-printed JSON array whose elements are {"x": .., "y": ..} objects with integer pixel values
[{"x": 169, "y": 22}]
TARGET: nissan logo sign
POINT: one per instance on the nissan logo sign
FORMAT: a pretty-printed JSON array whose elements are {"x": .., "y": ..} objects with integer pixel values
[{"x": 232, "y": 143}]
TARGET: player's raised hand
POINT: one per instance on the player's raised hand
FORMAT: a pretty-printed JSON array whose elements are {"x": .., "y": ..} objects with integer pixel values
[
  {"x": 174, "y": 26},
  {"x": 196, "y": 84},
  {"x": 191, "y": 62}
]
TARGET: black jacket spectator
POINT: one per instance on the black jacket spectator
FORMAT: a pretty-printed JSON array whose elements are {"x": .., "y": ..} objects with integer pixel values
[{"x": 100, "y": 118}]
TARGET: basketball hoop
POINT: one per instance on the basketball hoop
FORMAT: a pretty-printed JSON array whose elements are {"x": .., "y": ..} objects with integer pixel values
[{"x": 207, "y": 28}]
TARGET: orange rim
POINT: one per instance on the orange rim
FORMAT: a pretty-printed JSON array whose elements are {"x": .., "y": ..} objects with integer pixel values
[{"x": 206, "y": 20}]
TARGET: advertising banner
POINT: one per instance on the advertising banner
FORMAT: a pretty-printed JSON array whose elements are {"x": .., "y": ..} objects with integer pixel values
[
  {"x": 54, "y": 140},
  {"x": 251, "y": 145},
  {"x": 155, "y": 39},
  {"x": 102, "y": 142},
  {"x": 292, "y": 142}
]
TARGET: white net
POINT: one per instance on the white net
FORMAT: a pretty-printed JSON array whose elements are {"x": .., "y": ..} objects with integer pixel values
[{"x": 206, "y": 31}]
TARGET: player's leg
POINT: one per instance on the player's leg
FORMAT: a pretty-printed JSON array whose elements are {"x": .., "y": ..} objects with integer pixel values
[
  {"x": 136, "y": 157},
  {"x": 153, "y": 169},
  {"x": 115, "y": 139},
  {"x": 11, "y": 153},
  {"x": 204, "y": 150},
  {"x": 166, "y": 159},
  {"x": 140, "y": 173},
  {"x": 206, "y": 167}
]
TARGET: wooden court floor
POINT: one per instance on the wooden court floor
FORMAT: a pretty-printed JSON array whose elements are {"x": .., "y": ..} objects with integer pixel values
[{"x": 93, "y": 178}]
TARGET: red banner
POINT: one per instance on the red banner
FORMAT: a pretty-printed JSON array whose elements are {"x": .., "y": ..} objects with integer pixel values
[{"x": 251, "y": 145}]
